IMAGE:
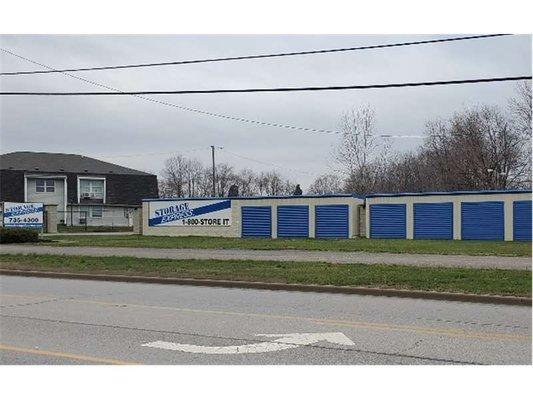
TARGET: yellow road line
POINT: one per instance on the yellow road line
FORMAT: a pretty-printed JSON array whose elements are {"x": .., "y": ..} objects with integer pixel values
[
  {"x": 26, "y": 296},
  {"x": 77, "y": 357},
  {"x": 458, "y": 333}
]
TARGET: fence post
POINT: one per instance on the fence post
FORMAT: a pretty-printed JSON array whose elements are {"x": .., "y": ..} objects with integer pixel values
[
  {"x": 51, "y": 218},
  {"x": 137, "y": 221}
]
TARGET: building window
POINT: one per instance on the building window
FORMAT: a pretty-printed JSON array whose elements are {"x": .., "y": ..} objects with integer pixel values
[
  {"x": 91, "y": 211},
  {"x": 91, "y": 188},
  {"x": 96, "y": 212},
  {"x": 44, "y": 185}
]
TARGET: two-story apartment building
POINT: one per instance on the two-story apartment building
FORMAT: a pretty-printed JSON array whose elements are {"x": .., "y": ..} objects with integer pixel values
[{"x": 85, "y": 190}]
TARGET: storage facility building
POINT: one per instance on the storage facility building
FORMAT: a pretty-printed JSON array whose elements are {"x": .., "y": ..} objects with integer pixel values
[
  {"x": 478, "y": 215},
  {"x": 334, "y": 216},
  {"x": 464, "y": 215}
]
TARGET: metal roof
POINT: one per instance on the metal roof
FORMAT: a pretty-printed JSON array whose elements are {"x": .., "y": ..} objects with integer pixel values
[
  {"x": 36, "y": 162},
  {"x": 318, "y": 196},
  {"x": 452, "y": 193}
]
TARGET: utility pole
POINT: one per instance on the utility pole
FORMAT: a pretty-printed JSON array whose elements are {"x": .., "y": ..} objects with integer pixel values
[{"x": 213, "y": 158}]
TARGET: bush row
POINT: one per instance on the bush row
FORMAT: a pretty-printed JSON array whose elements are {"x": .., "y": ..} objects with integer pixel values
[{"x": 18, "y": 235}]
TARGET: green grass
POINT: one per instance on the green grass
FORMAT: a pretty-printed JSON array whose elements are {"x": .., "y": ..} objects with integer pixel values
[
  {"x": 478, "y": 281},
  {"x": 370, "y": 245}
]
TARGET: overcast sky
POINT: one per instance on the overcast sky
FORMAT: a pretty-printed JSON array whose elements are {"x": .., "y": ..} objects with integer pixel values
[{"x": 109, "y": 127}]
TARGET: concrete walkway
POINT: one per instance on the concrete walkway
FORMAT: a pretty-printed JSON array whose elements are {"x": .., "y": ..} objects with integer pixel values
[{"x": 424, "y": 260}]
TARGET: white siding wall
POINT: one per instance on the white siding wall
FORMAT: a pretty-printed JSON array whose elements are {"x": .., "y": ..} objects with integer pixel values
[
  {"x": 57, "y": 197},
  {"x": 235, "y": 229},
  {"x": 507, "y": 198}
]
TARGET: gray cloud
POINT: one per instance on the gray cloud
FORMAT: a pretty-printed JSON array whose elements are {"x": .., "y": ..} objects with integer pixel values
[{"x": 105, "y": 126}]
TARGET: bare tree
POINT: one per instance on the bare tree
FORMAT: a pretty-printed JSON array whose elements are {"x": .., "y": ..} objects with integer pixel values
[
  {"x": 273, "y": 184},
  {"x": 358, "y": 143},
  {"x": 205, "y": 187},
  {"x": 327, "y": 184},
  {"x": 246, "y": 181},
  {"x": 521, "y": 107},
  {"x": 357, "y": 149},
  {"x": 476, "y": 149},
  {"x": 194, "y": 177},
  {"x": 182, "y": 177},
  {"x": 175, "y": 175},
  {"x": 225, "y": 177}
]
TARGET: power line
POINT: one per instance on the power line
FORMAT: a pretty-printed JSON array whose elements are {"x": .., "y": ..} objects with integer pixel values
[
  {"x": 248, "y": 57},
  {"x": 180, "y": 107},
  {"x": 294, "y": 128},
  {"x": 152, "y": 154},
  {"x": 268, "y": 163},
  {"x": 279, "y": 89}
]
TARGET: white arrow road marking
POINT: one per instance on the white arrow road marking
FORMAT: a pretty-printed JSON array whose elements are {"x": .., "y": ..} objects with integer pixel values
[
  {"x": 309, "y": 338},
  {"x": 284, "y": 342},
  {"x": 262, "y": 347}
]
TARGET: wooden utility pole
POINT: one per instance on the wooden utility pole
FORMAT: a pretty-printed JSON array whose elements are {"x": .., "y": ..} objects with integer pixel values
[{"x": 213, "y": 158}]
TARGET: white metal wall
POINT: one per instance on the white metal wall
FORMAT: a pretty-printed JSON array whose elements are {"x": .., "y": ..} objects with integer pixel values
[
  {"x": 235, "y": 229},
  {"x": 507, "y": 198}
]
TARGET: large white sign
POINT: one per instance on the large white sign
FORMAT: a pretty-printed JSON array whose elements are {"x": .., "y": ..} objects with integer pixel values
[
  {"x": 23, "y": 215},
  {"x": 202, "y": 213}
]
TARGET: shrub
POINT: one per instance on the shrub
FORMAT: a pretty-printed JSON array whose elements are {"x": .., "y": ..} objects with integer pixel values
[{"x": 18, "y": 235}]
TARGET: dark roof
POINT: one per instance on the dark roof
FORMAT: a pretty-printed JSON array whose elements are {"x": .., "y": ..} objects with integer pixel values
[
  {"x": 452, "y": 193},
  {"x": 309, "y": 196},
  {"x": 59, "y": 162}
]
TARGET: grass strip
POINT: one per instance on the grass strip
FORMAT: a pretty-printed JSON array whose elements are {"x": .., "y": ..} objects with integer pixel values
[
  {"x": 459, "y": 247},
  {"x": 458, "y": 280}
]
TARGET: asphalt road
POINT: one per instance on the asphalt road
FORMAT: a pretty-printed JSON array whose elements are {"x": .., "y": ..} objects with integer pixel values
[
  {"x": 55, "y": 321},
  {"x": 341, "y": 257}
]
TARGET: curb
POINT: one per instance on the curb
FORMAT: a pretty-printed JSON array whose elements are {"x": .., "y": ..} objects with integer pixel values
[{"x": 413, "y": 294}]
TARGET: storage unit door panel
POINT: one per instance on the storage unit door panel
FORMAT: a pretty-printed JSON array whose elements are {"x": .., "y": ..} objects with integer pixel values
[
  {"x": 387, "y": 221},
  {"x": 293, "y": 221},
  {"x": 522, "y": 220},
  {"x": 433, "y": 220},
  {"x": 256, "y": 221},
  {"x": 331, "y": 221},
  {"x": 483, "y": 220}
]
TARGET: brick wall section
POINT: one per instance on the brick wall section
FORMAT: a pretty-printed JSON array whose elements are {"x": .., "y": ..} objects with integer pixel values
[
  {"x": 130, "y": 189},
  {"x": 11, "y": 186},
  {"x": 120, "y": 189}
]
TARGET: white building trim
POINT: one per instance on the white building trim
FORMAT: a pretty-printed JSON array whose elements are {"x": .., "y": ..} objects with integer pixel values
[
  {"x": 45, "y": 176},
  {"x": 94, "y": 178}
]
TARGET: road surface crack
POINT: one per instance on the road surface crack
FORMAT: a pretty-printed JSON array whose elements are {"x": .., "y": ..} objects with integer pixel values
[
  {"x": 35, "y": 303},
  {"x": 449, "y": 321}
]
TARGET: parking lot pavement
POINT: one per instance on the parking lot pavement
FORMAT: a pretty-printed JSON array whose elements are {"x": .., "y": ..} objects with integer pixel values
[
  {"x": 55, "y": 321},
  {"x": 423, "y": 260}
]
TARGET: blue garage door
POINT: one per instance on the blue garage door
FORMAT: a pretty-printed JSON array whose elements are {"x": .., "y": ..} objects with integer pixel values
[
  {"x": 387, "y": 221},
  {"x": 293, "y": 221},
  {"x": 256, "y": 221},
  {"x": 331, "y": 221},
  {"x": 482, "y": 220},
  {"x": 433, "y": 220},
  {"x": 522, "y": 220}
]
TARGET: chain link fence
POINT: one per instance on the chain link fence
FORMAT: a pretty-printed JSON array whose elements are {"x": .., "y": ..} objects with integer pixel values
[{"x": 119, "y": 219}]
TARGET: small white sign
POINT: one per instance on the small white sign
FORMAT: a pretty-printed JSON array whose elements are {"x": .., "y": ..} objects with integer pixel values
[
  {"x": 23, "y": 215},
  {"x": 190, "y": 213}
]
